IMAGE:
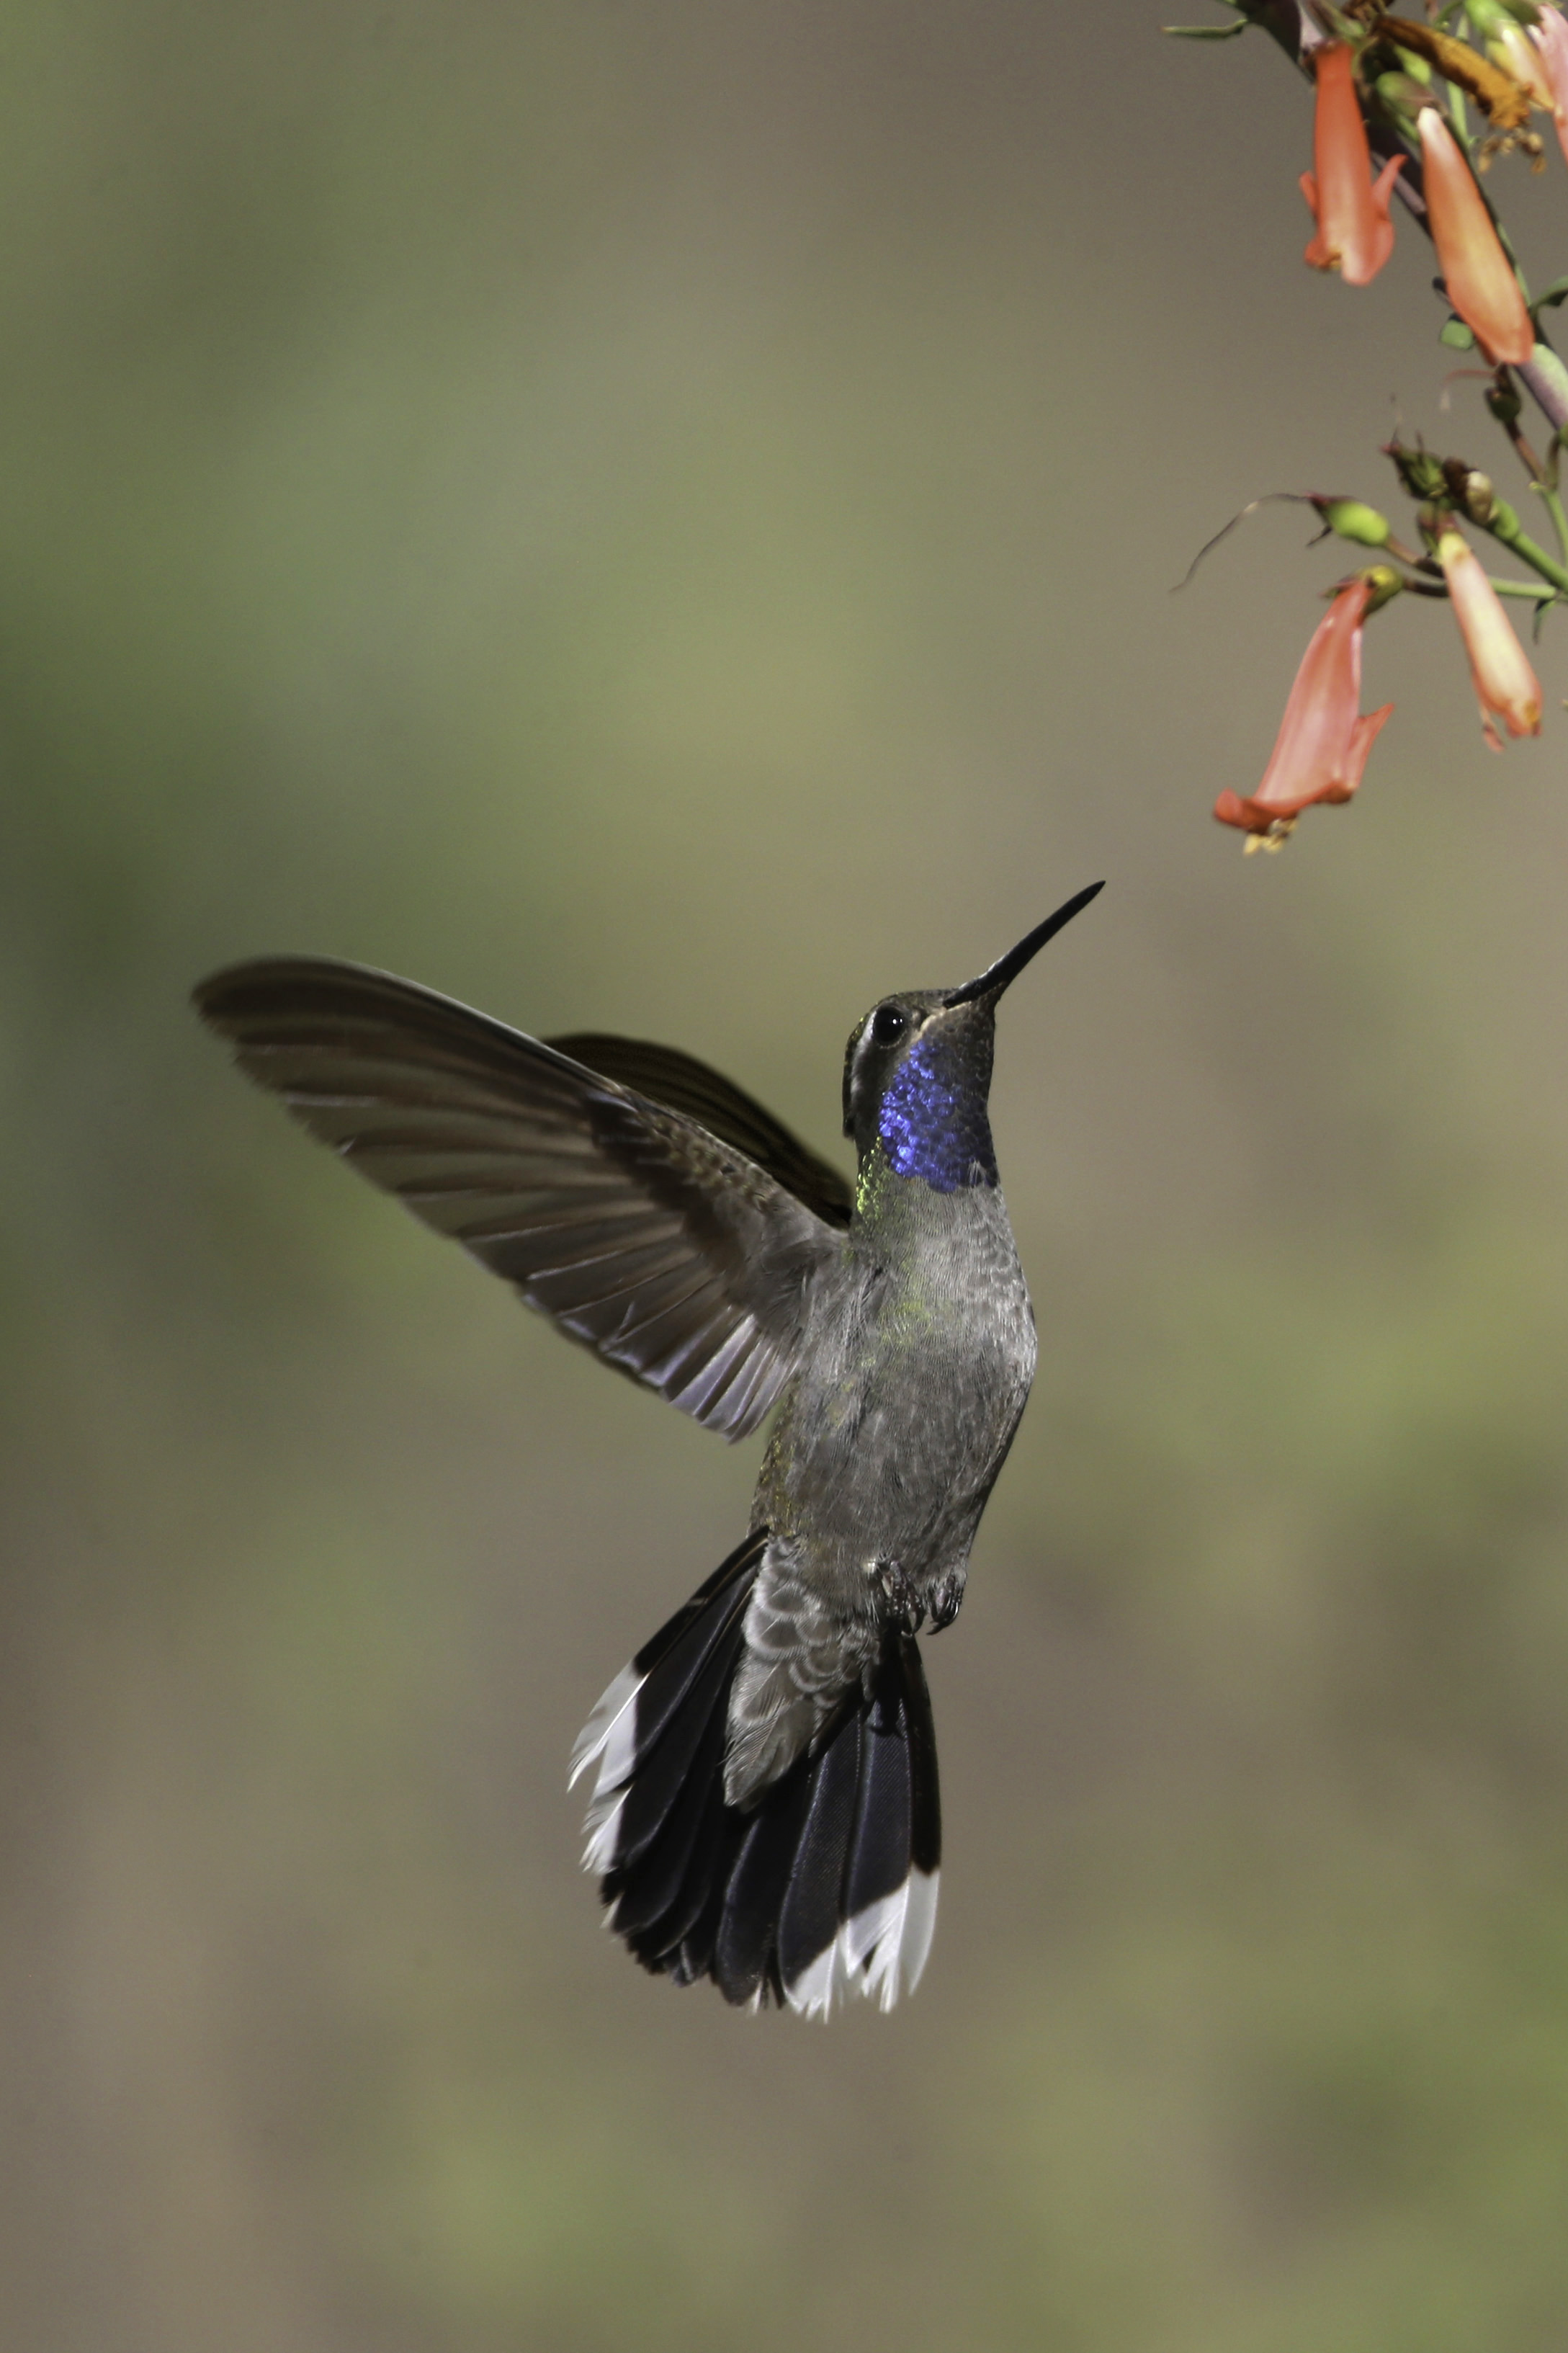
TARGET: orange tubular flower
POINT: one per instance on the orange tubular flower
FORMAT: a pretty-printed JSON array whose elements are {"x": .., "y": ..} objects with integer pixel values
[
  {"x": 1499, "y": 667},
  {"x": 1551, "y": 38},
  {"x": 1478, "y": 273},
  {"x": 1356, "y": 236},
  {"x": 1323, "y": 739}
]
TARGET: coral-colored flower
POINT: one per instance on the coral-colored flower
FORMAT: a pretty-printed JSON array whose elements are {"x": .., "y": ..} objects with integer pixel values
[
  {"x": 1499, "y": 667},
  {"x": 1478, "y": 273},
  {"x": 1551, "y": 38},
  {"x": 1323, "y": 738},
  {"x": 1356, "y": 236}
]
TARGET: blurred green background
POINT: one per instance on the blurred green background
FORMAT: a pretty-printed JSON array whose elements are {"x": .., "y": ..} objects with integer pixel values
[{"x": 662, "y": 519}]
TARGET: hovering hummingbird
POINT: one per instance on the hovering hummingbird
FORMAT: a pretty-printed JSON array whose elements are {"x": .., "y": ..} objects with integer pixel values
[{"x": 765, "y": 1810}]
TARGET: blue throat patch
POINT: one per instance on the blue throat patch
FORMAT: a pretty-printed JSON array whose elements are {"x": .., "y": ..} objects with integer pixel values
[{"x": 932, "y": 1120}]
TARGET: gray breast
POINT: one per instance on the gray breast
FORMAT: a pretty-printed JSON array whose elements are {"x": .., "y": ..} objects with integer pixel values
[{"x": 917, "y": 1373}]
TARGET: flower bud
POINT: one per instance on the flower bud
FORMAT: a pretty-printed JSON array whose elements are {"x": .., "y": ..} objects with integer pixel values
[
  {"x": 1400, "y": 98},
  {"x": 1352, "y": 519},
  {"x": 1470, "y": 491},
  {"x": 1477, "y": 273},
  {"x": 1384, "y": 583},
  {"x": 1500, "y": 671},
  {"x": 1420, "y": 473}
]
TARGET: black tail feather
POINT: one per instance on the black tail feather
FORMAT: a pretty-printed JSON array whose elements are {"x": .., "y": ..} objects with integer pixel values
[
  {"x": 662, "y": 1768},
  {"x": 648, "y": 1897},
  {"x": 811, "y": 1914},
  {"x": 827, "y": 1885},
  {"x": 745, "y": 1958}
]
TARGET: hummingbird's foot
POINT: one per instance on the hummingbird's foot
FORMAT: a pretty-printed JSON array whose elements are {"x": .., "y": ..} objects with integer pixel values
[
  {"x": 947, "y": 1600},
  {"x": 905, "y": 1607}
]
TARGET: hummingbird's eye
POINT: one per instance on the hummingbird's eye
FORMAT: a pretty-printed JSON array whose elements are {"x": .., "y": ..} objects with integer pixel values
[{"x": 889, "y": 1024}]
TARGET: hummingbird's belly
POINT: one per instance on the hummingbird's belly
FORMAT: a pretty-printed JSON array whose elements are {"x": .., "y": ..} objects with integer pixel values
[{"x": 892, "y": 1441}]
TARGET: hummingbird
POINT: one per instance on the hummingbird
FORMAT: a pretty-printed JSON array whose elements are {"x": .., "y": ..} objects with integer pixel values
[{"x": 764, "y": 1808}]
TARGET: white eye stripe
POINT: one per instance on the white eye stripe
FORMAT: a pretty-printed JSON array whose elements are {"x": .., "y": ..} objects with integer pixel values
[
  {"x": 868, "y": 1053},
  {"x": 867, "y": 1042}
]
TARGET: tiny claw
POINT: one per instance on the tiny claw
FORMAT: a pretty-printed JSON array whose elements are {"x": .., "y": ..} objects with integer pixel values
[
  {"x": 907, "y": 1610},
  {"x": 947, "y": 1601}
]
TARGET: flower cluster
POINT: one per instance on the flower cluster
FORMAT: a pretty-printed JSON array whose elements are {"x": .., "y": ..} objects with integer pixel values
[{"x": 1394, "y": 124}]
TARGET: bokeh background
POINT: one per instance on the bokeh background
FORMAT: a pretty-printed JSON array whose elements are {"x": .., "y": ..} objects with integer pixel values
[{"x": 663, "y": 519}]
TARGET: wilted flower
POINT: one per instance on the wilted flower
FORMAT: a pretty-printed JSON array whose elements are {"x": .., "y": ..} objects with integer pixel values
[
  {"x": 1478, "y": 273},
  {"x": 1499, "y": 667},
  {"x": 1551, "y": 38},
  {"x": 1356, "y": 236},
  {"x": 1323, "y": 738}
]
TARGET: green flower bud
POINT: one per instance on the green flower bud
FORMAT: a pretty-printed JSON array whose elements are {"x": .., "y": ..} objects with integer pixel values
[
  {"x": 1470, "y": 491},
  {"x": 1401, "y": 96},
  {"x": 1420, "y": 473},
  {"x": 1352, "y": 519},
  {"x": 1385, "y": 583}
]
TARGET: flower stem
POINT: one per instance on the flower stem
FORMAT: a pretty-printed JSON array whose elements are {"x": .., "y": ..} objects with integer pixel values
[
  {"x": 1519, "y": 589},
  {"x": 1552, "y": 499},
  {"x": 1503, "y": 524},
  {"x": 1417, "y": 587}
]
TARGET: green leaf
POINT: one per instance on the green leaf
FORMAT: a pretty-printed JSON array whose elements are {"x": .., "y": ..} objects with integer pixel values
[
  {"x": 1206, "y": 32},
  {"x": 1556, "y": 292},
  {"x": 1458, "y": 336}
]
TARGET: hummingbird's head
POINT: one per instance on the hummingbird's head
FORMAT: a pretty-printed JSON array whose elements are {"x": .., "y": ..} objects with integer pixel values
[{"x": 917, "y": 1071}]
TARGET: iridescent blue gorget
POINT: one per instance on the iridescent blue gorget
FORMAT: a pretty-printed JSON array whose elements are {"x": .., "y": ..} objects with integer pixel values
[{"x": 933, "y": 1123}]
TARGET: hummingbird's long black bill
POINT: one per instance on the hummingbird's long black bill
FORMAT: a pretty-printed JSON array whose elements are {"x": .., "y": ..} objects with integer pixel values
[{"x": 995, "y": 978}]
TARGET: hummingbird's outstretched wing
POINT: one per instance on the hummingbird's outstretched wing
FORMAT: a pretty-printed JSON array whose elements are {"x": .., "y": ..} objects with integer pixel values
[{"x": 682, "y": 1249}]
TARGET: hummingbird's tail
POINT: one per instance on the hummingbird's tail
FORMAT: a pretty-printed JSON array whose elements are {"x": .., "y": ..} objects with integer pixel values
[{"x": 827, "y": 1884}]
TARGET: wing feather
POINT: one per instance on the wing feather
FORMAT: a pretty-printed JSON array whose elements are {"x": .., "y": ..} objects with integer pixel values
[{"x": 655, "y": 1212}]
